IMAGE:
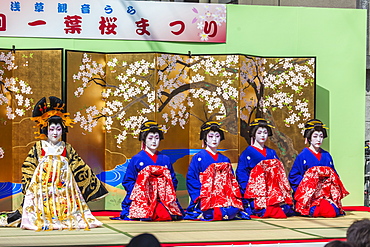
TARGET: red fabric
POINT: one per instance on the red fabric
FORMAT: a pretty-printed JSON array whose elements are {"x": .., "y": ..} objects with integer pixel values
[
  {"x": 219, "y": 187},
  {"x": 261, "y": 151},
  {"x": 319, "y": 182},
  {"x": 153, "y": 183},
  {"x": 152, "y": 157},
  {"x": 160, "y": 213},
  {"x": 217, "y": 214},
  {"x": 274, "y": 211},
  {"x": 317, "y": 155},
  {"x": 268, "y": 185},
  {"x": 64, "y": 154},
  {"x": 356, "y": 208},
  {"x": 214, "y": 156},
  {"x": 324, "y": 209}
]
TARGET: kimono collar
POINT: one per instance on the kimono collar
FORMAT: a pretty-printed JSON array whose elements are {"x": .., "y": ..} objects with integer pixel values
[{"x": 261, "y": 151}]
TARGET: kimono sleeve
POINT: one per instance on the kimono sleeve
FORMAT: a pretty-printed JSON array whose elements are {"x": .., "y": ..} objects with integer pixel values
[
  {"x": 192, "y": 179},
  {"x": 90, "y": 186},
  {"x": 173, "y": 176},
  {"x": 28, "y": 168},
  {"x": 243, "y": 172},
  {"x": 130, "y": 176},
  {"x": 296, "y": 173}
]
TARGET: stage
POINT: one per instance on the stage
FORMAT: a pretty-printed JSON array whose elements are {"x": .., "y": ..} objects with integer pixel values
[{"x": 294, "y": 231}]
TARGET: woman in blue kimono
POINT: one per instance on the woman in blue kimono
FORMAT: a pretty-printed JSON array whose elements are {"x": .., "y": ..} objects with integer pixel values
[
  {"x": 150, "y": 168},
  {"x": 253, "y": 164},
  {"x": 316, "y": 185},
  {"x": 213, "y": 189}
]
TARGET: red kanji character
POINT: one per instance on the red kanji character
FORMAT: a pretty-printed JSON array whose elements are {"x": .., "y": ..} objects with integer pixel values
[
  {"x": 2, "y": 22},
  {"x": 73, "y": 24},
  {"x": 182, "y": 27},
  {"x": 107, "y": 25},
  {"x": 142, "y": 24},
  {"x": 208, "y": 27}
]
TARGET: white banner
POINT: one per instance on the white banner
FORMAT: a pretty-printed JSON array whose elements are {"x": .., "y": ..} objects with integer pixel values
[{"x": 113, "y": 19}]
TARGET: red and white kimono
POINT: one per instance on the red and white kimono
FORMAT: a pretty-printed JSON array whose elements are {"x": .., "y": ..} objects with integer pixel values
[
  {"x": 219, "y": 187},
  {"x": 153, "y": 190},
  {"x": 269, "y": 186},
  {"x": 320, "y": 184}
]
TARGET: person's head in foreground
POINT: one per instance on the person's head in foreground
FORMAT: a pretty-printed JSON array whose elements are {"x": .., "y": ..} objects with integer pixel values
[
  {"x": 337, "y": 243},
  {"x": 144, "y": 240},
  {"x": 358, "y": 234}
]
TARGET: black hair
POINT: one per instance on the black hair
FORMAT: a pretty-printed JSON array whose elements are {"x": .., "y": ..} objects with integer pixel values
[
  {"x": 207, "y": 127},
  {"x": 337, "y": 243},
  {"x": 144, "y": 240},
  {"x": 259, "y": 122},
  {"x": 50, "y": 110},
  {"x": 150, "y": 126},
  {"x": 312, "y": 126},
  {"x": 358, "y": 233}
]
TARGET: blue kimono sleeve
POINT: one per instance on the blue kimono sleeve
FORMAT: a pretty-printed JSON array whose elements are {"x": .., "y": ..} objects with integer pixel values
[
  {"x": 296, "y": 173},
  {"x": 331, "y": 165},
  {"x": 243, "y": 173},
  {"x": 173, "y": 175},
  {"x": 192, "y": 179},
  {"x": 130, "y": 177}
]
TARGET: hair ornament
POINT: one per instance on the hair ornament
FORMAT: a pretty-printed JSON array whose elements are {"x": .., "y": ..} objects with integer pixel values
[
  {"x": 44, "y": 111},
  {"x": 150, "y": 126}
]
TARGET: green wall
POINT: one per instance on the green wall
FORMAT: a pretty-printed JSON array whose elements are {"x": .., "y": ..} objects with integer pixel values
[{"x": 336, "y": 37}]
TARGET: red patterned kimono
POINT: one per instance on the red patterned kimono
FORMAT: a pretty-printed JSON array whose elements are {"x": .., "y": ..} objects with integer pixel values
[
  {"x": 153, "y": 185},
  {"x": 268, "y": 185},
  {"x": 219, "y": 187},
  {"x": 319, "y": 182}
]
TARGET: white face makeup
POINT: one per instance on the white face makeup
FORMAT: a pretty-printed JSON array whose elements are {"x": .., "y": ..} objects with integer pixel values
[
  {"x": 261, "y": 135},
  {"x": 152, "y": 141},
  {"x": 54, "y": 133},
  {"x": 316, "y": 139},
  {"x": 213, "y": 139}
]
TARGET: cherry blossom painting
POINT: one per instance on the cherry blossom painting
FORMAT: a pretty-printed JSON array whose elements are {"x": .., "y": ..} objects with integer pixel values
[{"x": 181, "y": 92}]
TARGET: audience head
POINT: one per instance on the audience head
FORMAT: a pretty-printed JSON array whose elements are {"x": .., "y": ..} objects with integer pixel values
[
  {"x": 337, "y": 243},
  {"x": 144, "y": 240},
  {"x": 358, "y": 234}
]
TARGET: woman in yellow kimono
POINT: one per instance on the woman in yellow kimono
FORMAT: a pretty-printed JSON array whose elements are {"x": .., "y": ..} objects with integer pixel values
[{"x": 56, "y": 182}]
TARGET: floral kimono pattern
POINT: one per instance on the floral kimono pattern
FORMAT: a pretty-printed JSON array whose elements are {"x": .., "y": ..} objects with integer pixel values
[
  {"x": 319, "y": 182},
  {"x": 219, "y": 187},
  {"x": 153, "y": 185},
  {"x": 268, "y": 185}
]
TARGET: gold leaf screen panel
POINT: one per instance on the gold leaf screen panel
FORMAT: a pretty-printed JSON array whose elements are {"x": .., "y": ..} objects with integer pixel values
[{"x": 41, "y": 72}]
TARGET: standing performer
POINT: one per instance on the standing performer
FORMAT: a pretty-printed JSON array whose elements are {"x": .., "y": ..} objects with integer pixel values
[
  {"x": 150, "y": 181},
  {"x": 316, "y": 185},
  {"x": 262, "y": 177},
  {"x": 56, "y": 181},
  {"x": 213, "y": 189}
]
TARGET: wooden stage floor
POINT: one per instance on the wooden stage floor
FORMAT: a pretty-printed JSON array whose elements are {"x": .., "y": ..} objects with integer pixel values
[{"x": 195, "y": 233}]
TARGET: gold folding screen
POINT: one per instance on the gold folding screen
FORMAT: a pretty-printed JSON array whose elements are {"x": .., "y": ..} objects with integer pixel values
[
  {"x": 117, "y": 92},
  {"x": 110, "y": 95},
  {"x": 25, "y": 77}
]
